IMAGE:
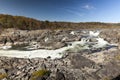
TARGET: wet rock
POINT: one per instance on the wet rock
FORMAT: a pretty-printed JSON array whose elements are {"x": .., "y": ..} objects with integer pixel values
[
  {"x": 59, "y": 45},
  {"x": 92, "y": 40}
]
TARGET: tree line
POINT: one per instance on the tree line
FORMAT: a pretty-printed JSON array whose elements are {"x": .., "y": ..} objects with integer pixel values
[{"x": 25, "y": 23}]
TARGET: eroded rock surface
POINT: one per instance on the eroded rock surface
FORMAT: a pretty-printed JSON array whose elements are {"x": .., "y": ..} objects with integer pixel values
[{"x": 102, "y": 64}]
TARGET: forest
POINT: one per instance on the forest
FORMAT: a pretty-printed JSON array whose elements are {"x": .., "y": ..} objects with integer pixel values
[{"x": 25, "y": 23}]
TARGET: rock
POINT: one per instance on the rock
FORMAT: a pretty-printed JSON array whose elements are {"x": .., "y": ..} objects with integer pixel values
[
  {"x": 39, "y": 39},
  {"x": 59, "y": 75},
  {"x": 3, "y": 74},
  {"x": 92, "y": 40},
  {"x": 116, "y": 78},
  {"x": 79, "y": 61},
  {"x": 18, "y": 72},
  {"x": 74, "y": 66},
  {"x": 110, "y": 70},
  {"x": 59, "y": 45},
  {"x": 2, "y": 71},
  {"x": 5, "y": 40},
  {"x": 43, "y": 66}
]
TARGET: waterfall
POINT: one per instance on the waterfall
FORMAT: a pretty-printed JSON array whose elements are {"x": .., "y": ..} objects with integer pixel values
[
  {"x": 94, "y": 34},
  {"x": 101, "y": 43}
]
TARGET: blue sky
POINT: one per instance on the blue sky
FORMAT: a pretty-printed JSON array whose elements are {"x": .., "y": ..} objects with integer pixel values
[{"x": 64, "y": 10}]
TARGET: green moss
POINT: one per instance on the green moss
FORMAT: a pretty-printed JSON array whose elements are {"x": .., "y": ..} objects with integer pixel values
[{"x": 39, "y": 73}]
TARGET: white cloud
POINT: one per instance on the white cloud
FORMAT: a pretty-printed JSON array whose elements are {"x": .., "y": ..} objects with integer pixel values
[{"x": 88, "y": 7}]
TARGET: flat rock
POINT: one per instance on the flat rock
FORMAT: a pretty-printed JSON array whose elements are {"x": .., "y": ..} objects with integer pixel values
[{"x": 79, "y": 61}]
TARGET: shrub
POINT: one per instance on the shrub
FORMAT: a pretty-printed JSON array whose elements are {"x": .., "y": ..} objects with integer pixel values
[
  {"x": 117, "y": 57},
  {"x": 106, "y": 78},
  {"x": 2, "y": 76},
  {"x": 39, "y": 74}
]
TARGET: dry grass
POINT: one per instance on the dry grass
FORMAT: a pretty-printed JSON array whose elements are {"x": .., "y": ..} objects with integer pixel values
[
  {"x": 117, "y": 57},
  {"x": 2, "y": 76},
  {"x": 39, "y": 73},
  {"x": 106, "y": 78}
]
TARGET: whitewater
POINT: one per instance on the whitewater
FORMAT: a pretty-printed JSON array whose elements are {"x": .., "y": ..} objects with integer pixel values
[{"x": 58, "y": 53}]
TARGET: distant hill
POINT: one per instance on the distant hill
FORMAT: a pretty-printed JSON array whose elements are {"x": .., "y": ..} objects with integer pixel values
[{"x": 25, "y": 23}]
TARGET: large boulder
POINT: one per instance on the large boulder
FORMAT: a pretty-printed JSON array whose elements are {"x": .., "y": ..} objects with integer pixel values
[{"x": 79, "y": 61}]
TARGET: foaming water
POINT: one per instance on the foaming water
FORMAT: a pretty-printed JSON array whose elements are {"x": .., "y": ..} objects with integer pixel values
[
  {"x": 42, "y": 53},
  {"x": 94, "y": 33}
]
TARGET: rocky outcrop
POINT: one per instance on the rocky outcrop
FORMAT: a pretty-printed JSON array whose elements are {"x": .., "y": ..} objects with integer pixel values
[
  {"x": 44, "y": 39},
  {"x": 94, "y": 64},
  {"x": 112, "y": 36},
  {"x": 76, "y": 66}
]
